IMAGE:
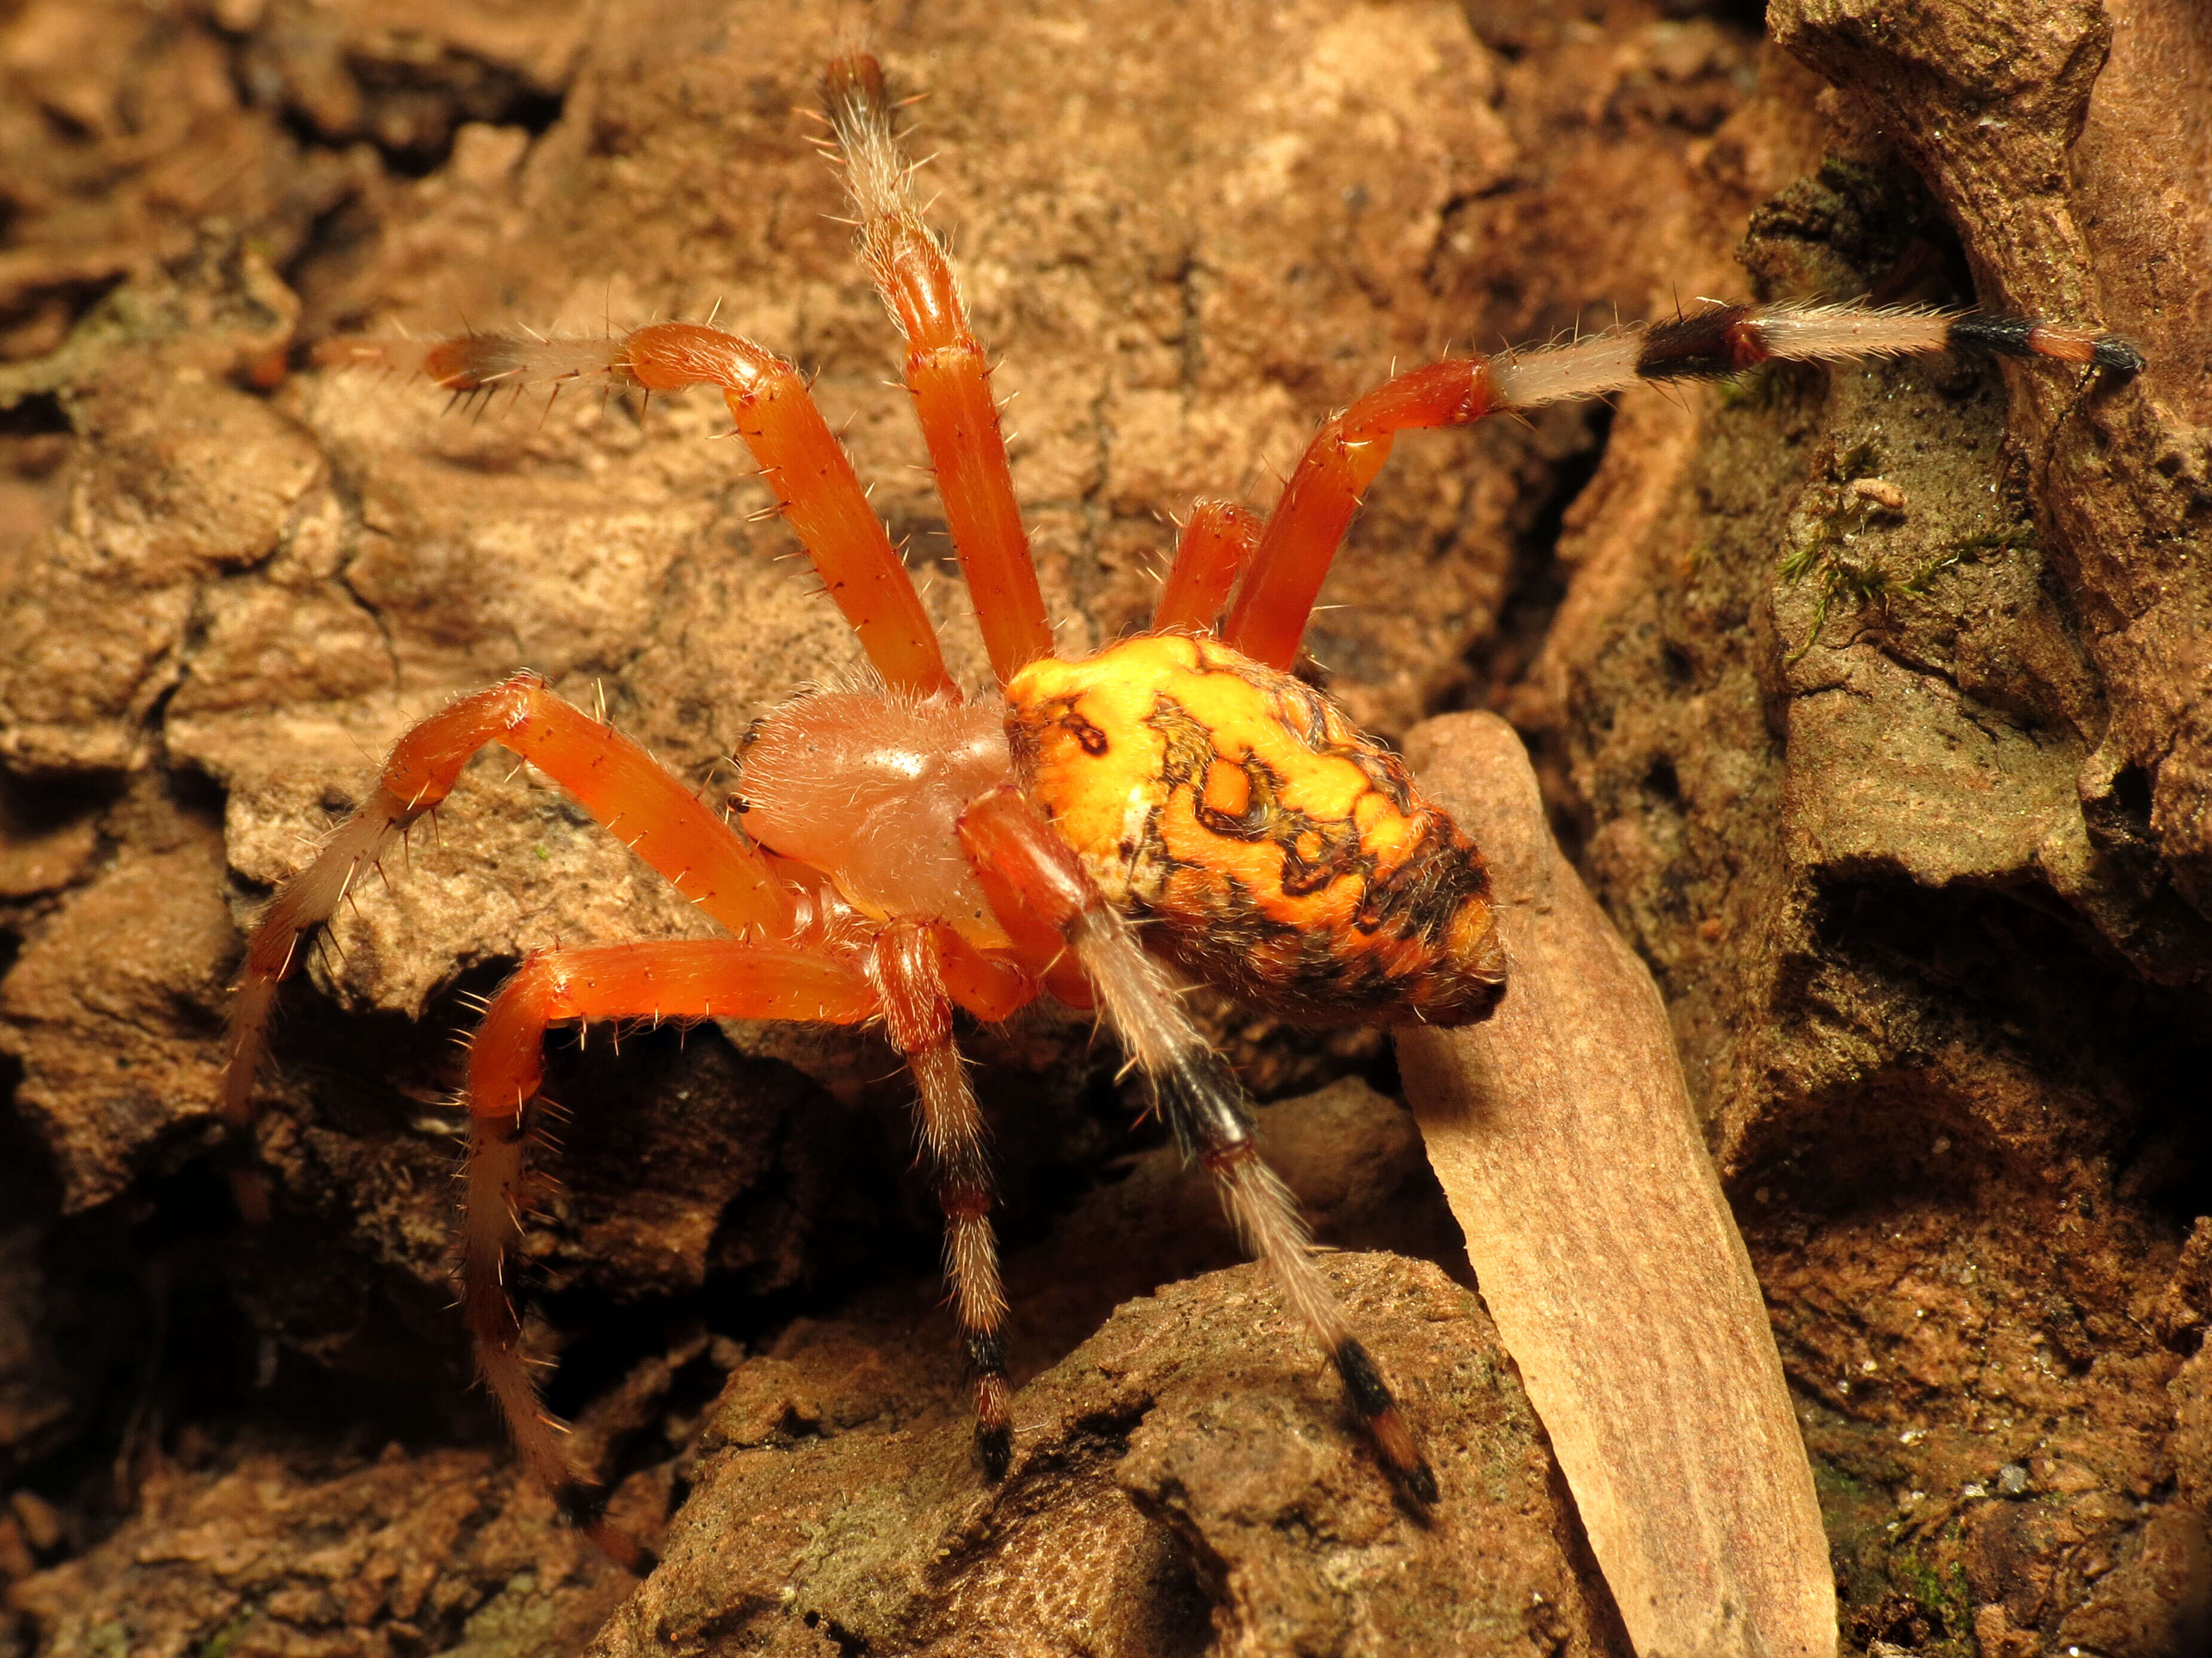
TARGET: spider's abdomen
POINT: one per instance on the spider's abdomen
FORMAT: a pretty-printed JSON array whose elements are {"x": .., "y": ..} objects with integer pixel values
[{"x": 1269, "y": 845}]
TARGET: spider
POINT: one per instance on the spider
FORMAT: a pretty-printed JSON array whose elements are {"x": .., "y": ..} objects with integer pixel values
[{"x": 1178, "y": 804}]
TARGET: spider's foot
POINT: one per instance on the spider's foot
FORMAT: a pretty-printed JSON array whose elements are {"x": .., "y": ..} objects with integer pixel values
[
  {"x": 2025, "y": 337},
  {"x": 1370, "y": 1397},
  {"x": 584, "y": 1506},
  {"x": 994, "y": 1403},
  {"x": 1418, "y": 1478},
  {"x": 994, "y": 1444}
]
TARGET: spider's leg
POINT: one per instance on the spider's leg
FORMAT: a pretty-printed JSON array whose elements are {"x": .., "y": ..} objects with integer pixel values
[
  {"x": 816, "y": 488},
  {"x": 676, "y": 979},
  {"x": 946, "y": 368},
  {"x": 1268, "y": 616},
  {"x": 918, "y": 1014},
  {"x": 1216, "y": 543},
  {"x": 1276, "y": 595},
  {"x": 610, "y": 776},
  {"x": 1024, "y": 863}
]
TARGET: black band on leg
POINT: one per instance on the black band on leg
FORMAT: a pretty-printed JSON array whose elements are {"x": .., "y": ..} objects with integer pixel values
[
  {"x": 986, "y": 1353},
  {"x": 1999, "y": 336},
  {"x": 994, "y": 1432},
  {"x": 1371, "y": 1394},
  {"x": 584, "y": 1506},
  {"x": 1204, "y": 1103},
  {"x": 1708, "y": 344}
]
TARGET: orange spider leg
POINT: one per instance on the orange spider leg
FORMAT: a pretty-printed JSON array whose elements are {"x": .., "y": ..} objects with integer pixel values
[
  {"x": 1268, "y": 615},
  {"x": 945, "y": 370},
  {"x": 814, "y": 484},
  {"x": 1036, "y": 942},
  {"x": 1280, "y": 586},
  {"x": 1196, "y": 1092},
  {"x": 1216, "y": 543},
  {"x": 989, "y": 985},
  {"x": 610, "y": 776},
  {"x": 681, "y": 979},
  {"x": 918, "y": 1013}
]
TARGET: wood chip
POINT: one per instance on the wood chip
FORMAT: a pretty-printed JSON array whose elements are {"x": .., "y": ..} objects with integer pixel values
[{"x": 1563, "y": 1133}]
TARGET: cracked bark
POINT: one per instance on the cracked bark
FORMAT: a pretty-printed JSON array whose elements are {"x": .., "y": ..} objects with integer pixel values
[{"x": 1944, "y": 1053}]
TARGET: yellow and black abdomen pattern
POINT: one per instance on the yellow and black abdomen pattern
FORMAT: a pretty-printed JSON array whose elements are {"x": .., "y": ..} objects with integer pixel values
[{"x": 1267, "y": 844}]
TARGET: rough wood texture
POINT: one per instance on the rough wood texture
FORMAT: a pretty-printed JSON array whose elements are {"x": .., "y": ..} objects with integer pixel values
[
  {"x": 1564, "y": 1136},
  {"x": 1915, "y": 888},
  {"x": 2069, "y": 144}
]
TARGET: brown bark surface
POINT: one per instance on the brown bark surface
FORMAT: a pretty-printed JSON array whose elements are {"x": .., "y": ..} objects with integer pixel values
[{"x": 1905, "y": 807}]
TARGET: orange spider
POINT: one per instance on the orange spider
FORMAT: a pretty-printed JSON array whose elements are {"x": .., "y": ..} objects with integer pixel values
[{"x": 910, "y": 848}]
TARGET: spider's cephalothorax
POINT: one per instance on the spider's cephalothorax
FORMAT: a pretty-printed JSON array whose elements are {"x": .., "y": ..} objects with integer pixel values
[{"x": 907, "y": 850}]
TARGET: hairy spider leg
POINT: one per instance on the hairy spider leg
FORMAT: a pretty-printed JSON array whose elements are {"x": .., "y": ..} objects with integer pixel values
[
  {"x": 1218, "y": 540},
  {"x": 1275, "y": 598},
  {"x": 606, "y": 773},
  {"x": 816, "y": 488},
  {"x": 1024, "y": 864},
  {"x": 1268, "y": 616},
  {"x": 946, "y": 368},
  {"x": 709, "y": 979},
  {"x": 918, "y": 1015}
]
